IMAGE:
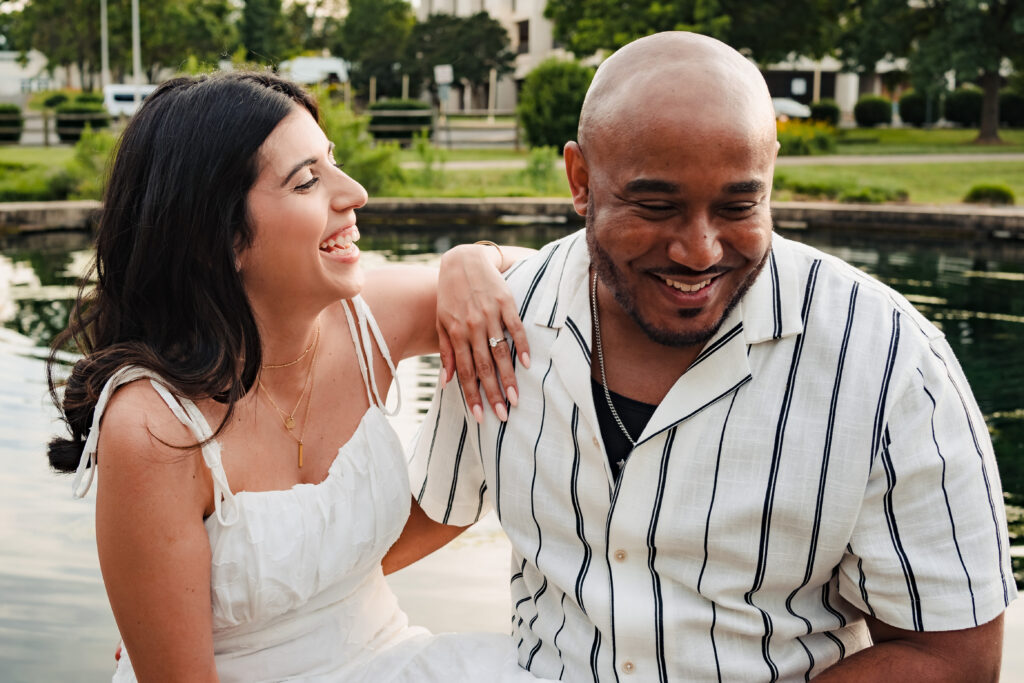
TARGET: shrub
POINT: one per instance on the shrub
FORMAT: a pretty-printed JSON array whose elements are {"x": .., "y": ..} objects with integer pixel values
[
  {"x": 914, "y": 109},
  {"x": 550, "y": 102},
  {"x": 89, "y": 98},
  {"x": 74, "y": 117},
  {"x": 989, "y": 193},
  {"x": 872, "y": 110},
  {"x": 826, "y": 111},
  {"x": 1011, "y": 108},
  {"x": 11, "y": 123},
  {"x": 801, "y": 138},
  {"x": 540, "y": 171},
  {"x": 431, "y": 172},
  {"x": 374, "y": 165},
  {"x": 86, "y": 173},
  {"x": 963, "y": 106},
  {"x": 55, "y": 100},
  {"x": 871, "y": 195},
  {"x": 401, "y": 128}
]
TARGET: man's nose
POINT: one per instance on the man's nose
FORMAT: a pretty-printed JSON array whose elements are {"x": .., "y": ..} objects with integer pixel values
[{"x": 696, "y": 244}]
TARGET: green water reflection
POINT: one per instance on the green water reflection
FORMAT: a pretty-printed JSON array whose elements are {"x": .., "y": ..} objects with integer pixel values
[{"x": 975, "y": 294}]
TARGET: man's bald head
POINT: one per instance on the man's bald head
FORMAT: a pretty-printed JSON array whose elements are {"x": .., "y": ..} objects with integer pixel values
[{"x": 686, "y": 75}]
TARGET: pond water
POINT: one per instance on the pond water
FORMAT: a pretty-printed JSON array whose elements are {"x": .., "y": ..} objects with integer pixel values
[{"x": 55, "y": 623}]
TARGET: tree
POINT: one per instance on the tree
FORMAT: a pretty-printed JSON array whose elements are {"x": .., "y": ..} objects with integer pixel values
[
  {"x": 170, "y": 33},
  {"x": 373, "y": 39},
  {"x": 767, "y": 31},
  {"x": 66, "y": 31},
  {"x": 966, "y": 36},
  {"x": 473, "y": 45},
  {"x": 262, "y": 31}
]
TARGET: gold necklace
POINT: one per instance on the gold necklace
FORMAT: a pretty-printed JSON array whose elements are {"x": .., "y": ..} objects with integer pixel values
[
  {"x": 301, "y": 356},
  {"x": 289, "y": 419}
]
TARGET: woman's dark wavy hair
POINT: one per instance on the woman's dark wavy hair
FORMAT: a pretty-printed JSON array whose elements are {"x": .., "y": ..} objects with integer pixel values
[{"x": 168, "y": 296}]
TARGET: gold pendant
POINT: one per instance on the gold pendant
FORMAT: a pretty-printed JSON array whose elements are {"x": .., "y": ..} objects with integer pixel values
[
  {"x": 289, "y": 423},
  {"x": 300, "y": 454}
]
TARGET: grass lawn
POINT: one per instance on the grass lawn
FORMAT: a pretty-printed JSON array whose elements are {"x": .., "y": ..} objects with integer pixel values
[
  {"x": 470, "y": 154},
  {"x": 484, "y": 183},
  {"x": 919, "y": 141},
  {"x": 42, "y": 156},
  {"x": 925, "y": 183}
]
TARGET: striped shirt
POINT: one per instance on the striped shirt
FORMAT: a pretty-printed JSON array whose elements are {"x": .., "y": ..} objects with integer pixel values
[{"x": 821, "y": 458}]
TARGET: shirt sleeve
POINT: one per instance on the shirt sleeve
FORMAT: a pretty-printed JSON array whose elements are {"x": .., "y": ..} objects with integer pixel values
[
  {"x": 446, "y": 473},
  {"x": 930, "y": 550}
]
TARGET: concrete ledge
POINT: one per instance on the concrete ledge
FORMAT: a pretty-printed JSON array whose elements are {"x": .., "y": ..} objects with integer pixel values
[
  {"x": 20, "y": 217},
  {"x": 957, "y": 222}
]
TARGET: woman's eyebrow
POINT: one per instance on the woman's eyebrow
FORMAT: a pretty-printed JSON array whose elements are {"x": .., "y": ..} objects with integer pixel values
[{"x": 298, "y": 167}]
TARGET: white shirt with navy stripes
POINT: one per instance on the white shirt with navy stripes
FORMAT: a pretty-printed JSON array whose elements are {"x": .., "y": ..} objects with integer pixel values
[{"x": 822, "y": 457}]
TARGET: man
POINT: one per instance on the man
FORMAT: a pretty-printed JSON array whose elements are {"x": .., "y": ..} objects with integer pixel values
[{"x": 733, "y": 457}]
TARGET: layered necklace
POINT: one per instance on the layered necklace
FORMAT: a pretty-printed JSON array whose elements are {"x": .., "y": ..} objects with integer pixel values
[
  {"x": 288, "y": 419},
  {"x": 600, "y": 361}
]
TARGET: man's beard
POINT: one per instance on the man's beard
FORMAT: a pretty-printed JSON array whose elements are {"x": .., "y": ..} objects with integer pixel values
[{"x": 613, "y": 279}]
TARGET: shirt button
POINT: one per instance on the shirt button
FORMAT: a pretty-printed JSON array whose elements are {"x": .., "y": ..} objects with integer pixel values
[
  {"x": 597, "y": 444},
  {"x": 627, "y": 666},
  {"x": 620, "y": 555}
]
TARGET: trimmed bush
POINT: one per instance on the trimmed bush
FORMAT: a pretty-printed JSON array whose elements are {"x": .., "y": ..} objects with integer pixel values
[
  {"x": 914, "y": 109},
  {"x": 550, "y": 102},
  {"x": 73, "y": 117},
  {"x": 400, "y": 128},
  {"x": 801, "y": 138},
  {"x": 872, "y": 110},
  {"x": 89, "y": 98},
  {"x": 989, "y": 193},
  {"x": 1011, "y": 108},
  {"x": 871, "y": 195},
  {"x": 826, "y": 111},
  {"x": 55, "y": 100},
  {"x": 11, "y": 123},
  {"x": 963, "y": 106}
]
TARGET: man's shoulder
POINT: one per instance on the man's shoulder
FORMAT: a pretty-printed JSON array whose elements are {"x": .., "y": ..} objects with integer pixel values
[
  {"x": 544, "y": 272},
  {"x": 836, "y": 280}
]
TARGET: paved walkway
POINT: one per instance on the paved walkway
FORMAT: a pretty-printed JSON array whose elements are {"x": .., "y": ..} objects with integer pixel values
[{"x": 825, "y": 160}]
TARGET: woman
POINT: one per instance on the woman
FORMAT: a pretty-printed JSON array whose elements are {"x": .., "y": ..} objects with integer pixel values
[{"x": 232, "y": 357}]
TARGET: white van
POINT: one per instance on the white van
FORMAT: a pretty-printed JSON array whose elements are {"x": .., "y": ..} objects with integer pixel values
[{"x": 119, "y": 98}]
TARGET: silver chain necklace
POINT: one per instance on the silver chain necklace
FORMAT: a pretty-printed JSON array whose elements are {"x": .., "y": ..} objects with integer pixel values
[{"x": 600, "y": 360}]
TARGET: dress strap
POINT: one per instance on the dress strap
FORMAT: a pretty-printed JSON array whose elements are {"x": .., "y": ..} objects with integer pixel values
[
  {"x": 186, "y": 412},
  {"x": 364, "y": 352}
]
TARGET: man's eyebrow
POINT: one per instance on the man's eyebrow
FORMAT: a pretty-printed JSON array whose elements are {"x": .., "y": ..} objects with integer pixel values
[
  {"x": 298, "y": 167},
  {"x": 745, "y": 187},
  {"x": 651, "y": 185}
]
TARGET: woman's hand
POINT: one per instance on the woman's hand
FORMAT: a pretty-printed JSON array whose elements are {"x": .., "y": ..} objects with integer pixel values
[{"x": 478, "y": 325}]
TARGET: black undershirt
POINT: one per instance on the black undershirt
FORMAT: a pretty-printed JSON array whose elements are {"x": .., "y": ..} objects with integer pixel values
[{"x": 634, "y": 414}]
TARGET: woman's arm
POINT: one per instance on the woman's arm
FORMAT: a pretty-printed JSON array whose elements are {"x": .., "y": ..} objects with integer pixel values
[
  {"x": 153, "y": 548},
  {"x": 455, "y": 310},
  {"x": 420, "y": 537}
]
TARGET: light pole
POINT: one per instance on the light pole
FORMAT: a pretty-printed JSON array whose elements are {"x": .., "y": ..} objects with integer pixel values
[
  {"x": 104, "y": 47},
  {"x": 136, "y": 53}
]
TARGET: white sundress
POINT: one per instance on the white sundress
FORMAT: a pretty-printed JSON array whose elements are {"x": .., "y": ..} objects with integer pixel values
[{"x": 297, "y": 590}]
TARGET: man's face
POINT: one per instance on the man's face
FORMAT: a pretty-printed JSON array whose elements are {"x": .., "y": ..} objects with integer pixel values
[{"x": 678, "y": 220}]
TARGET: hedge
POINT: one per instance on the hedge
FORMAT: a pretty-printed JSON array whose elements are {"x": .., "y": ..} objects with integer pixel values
[
  {"x": 826, "y": 111},
  {"x": 872, "y": 110},
  {"x": 963, "y": 106},
  {"x": 11, "y": 123},
  {"x": 73, "y": 117},
  {"x": 401, "y": 128}
]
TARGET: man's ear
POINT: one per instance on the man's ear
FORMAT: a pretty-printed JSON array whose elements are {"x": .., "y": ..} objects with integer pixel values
[{"x": 579, "y": 176}]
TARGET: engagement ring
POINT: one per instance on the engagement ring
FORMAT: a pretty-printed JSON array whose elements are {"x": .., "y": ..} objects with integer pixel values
[{"x": 494, "y": 341}]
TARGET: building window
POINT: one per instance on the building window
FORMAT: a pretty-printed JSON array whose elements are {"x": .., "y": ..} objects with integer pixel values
[{"x": 524, "y": 37}]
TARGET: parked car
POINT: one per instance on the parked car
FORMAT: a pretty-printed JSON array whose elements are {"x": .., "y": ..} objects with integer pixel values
[
  {"x": 790, "y": 108},
  {"x": 119, "y": 98}
]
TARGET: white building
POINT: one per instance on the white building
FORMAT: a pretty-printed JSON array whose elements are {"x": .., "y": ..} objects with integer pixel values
[
  {"x": 799, "y": 78},
  {"x": 17, "y": 80}
]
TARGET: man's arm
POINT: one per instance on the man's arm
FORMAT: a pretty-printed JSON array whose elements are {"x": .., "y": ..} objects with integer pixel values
[{"x": 972, "y": 655}]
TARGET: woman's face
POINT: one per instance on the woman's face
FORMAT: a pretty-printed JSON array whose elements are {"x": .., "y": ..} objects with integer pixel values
[{"x": 302, "y": 212}]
